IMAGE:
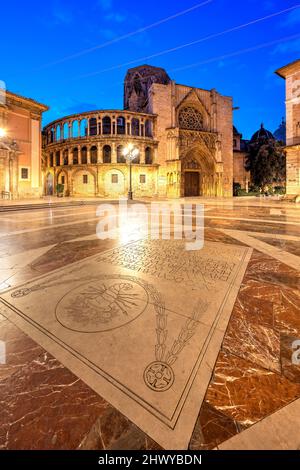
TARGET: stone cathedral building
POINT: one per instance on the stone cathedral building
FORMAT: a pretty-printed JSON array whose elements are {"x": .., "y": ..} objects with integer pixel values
[
  {"x": 291, "y": 74},
  {"x": 184, "y": 136}
]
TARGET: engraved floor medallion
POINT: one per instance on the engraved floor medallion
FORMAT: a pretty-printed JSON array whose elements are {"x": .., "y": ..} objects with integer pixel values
[
  {"x": 102, "y": 305},
  {"x": 142, "y": 324}
]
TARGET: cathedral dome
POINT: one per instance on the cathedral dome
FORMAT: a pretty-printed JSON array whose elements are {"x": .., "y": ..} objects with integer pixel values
[
  {"x": 280, "y": 133},
  {"x": 262, "y": 133}
]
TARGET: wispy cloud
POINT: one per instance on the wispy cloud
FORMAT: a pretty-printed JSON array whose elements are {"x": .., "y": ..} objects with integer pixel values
[
  {"x": 141, "y": 31},
  {"x": 268, "y": 4},
  {"x": 105, "y": 4},
  {"x": 79, "y": 108},
  {"x": 286, "y": 47},
  {"x": 116, "y": 17},
  {"x": 293, "y": 18},
  {"x": 61, "y": 13},
  {"x": 108, "y": 33}
]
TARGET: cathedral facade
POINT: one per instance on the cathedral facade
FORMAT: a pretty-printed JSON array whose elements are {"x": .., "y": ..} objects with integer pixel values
[{"x": 184, "y": 136}]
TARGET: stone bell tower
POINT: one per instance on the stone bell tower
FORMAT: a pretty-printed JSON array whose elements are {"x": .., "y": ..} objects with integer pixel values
[{"x": 137, "y": 84}]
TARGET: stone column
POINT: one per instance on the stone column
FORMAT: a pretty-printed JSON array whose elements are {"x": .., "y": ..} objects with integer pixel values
[
  {"x": 88, "y": 155},
  {"x": 142, "y": 154},
  {"x": 70, "y": 130},
  {"x": 113, "y": 153},
  {"x": 99, "y": 153}
]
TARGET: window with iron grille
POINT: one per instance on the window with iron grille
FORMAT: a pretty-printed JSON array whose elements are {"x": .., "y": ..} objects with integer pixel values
[{"x": 24, "y": 173}]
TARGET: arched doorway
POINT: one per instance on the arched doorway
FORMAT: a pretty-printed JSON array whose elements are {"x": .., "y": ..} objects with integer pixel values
[
  {"x": 49, "y": 184},
  {"x": 199, "y": 177}
]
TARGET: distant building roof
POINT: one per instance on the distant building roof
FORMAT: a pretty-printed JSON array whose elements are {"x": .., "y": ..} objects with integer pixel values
[
  {"x": 280, "y": 133},
  {"x": 284, "y": 71},
  {"x": 262, "y": 133},
  {"x": 235, "y": 131}
]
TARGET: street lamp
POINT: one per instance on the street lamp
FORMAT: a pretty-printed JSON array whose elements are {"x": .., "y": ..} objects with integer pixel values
[
  {"x": 130, "y": 153},
  {"x": 2, "y": 132}
]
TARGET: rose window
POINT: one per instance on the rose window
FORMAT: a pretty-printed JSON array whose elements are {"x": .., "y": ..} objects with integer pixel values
[{"x": 190, "y": 118}]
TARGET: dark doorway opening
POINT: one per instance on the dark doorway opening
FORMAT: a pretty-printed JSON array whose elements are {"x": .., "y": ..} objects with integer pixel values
[{"x": 191, "y": 183}]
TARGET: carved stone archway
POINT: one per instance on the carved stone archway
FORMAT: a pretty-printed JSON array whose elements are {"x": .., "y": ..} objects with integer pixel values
[{"x": 198, "y": 159}]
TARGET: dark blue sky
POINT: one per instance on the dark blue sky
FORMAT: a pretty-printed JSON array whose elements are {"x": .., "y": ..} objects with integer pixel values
[{"x": 38, "y": 37}]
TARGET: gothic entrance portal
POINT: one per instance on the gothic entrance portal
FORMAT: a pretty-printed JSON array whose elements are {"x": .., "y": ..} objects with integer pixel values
[{"x": 191, "y": 183}]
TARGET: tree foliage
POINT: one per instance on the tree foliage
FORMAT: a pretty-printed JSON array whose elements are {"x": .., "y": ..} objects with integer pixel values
[{"x": 266, "y": 162}]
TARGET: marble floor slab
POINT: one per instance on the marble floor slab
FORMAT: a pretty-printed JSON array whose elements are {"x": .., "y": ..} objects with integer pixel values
[{"x": 141, "y": 324}]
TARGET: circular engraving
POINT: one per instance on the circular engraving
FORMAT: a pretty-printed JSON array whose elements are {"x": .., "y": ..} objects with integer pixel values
[
  {"x": 159, "y": 376},
  {"x": 102, "y": 305}
]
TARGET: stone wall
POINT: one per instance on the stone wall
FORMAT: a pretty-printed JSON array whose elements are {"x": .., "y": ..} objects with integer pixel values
[{"x": 291, "y": 73}]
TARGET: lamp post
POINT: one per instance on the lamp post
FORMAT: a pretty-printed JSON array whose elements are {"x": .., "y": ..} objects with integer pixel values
[
  {"x": 130, "y": 153},
  {"x": 2, "y": 132}
]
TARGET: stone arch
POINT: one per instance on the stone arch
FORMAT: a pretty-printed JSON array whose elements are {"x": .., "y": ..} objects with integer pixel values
[
  {"x": 83, "y": 129},
  {"x": 49, "y": 182},
  {"x": 106, "y": 154},
  {"x": 59, "y": 179},
  {"x": 93, "y": 126},
  {"x": 106, "y": 125},
  {"x": 82, "y": 186},
  {"x": 84, "y": 155},
  {"x": 75, "y": 128},
  {"x": 65, "y": 156},
  {"x": 65, "y": 131},
  {"x": 121, "y": 125},
  {"x": 75, "y": 156},
  {"x": 148, "y": 156},
  {"x": 199, "y": 160},
  {"x": 114, "y": 182},
  {"x": 135, "y": 126},
  {"x": 58, "y": 133},
  {"x": 120, "y": 154},
  {"x": 94, "y": 154}
]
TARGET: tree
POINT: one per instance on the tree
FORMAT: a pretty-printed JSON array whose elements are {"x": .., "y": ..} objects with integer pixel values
[{"x": 266, "y": 162}]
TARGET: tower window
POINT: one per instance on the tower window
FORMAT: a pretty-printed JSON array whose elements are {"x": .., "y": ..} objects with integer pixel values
[{"x": 85, "y": 179}]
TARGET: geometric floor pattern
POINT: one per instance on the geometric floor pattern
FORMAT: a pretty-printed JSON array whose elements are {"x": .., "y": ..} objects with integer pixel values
[{"x": 195, "y": 348}]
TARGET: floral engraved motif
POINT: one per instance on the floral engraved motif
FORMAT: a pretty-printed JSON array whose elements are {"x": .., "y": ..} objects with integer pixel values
[
  {"x": 159, "y": 376},
  {"x": 101, "y": 305}
]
